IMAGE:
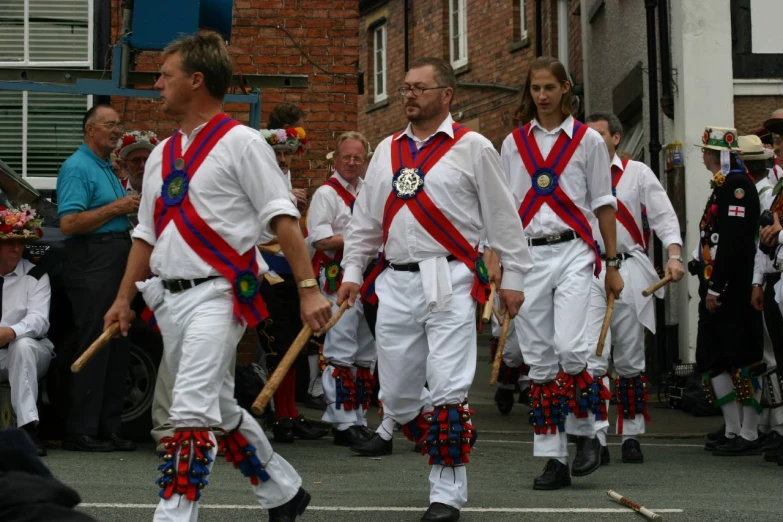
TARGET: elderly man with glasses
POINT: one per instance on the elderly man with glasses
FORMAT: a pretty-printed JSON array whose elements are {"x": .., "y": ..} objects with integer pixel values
[
  {"x": 94, "y": 208},
  {"x": 132, "y": 152}
]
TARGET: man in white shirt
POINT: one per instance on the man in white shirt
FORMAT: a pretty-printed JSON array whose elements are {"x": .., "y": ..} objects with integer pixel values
[
  {"x": 25, "y": 295},
  {"x": 211, "y": 192},
  {"x": 349, "y": 347},
  {"x": 635, "y": 186},
  {"x": 446, "y": 186}
]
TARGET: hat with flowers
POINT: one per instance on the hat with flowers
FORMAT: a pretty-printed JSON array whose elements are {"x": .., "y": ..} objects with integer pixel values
[
  {"x": 293, "y": 139},
  {"x": 20, "y": 224},
  {"x": 135, "y": 140}
]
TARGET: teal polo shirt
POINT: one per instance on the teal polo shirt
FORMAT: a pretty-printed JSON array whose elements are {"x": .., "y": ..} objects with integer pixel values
[{"x": 87, "y": 182}]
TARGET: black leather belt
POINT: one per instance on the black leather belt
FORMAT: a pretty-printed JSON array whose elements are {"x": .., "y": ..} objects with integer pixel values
[
  {"x": 554, "y": 239},
  {"x": 180, "y": 285},
  {"x": 621, "y": 256},
  {"x": 411, "y": 267}
]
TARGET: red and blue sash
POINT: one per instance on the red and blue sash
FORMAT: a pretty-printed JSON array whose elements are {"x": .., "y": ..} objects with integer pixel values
[
  {"x": 333, "y": 272},
  {"x": 545, "y": 175},
  {"x": 346, "y": 196},
  {"x": 406, "y": 155},
  {"x": 174, "y": 205},
  {"x": 624, "y": 216}
]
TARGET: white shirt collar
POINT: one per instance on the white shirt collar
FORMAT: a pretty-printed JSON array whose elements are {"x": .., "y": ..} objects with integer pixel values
[
  {"x": 18, "y": 271},
  {"x": 195, "y": 131},
  {"x": 567, "y": 126},
  {"x": 347, "y": 185},
  {"x": 447, "y": 126},
  {"x": 617, "y": 162}
]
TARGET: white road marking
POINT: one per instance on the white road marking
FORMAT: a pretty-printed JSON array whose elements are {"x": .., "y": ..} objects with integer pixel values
[
  {"x": 390, "y": 509},
  {"x": 647, "y": 445}
]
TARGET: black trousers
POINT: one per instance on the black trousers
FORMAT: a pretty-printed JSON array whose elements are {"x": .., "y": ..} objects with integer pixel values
[
  {"x": 730, "y": 337},
  {"x": 773, "y": 317},
  {"x": 284, "y": 321},
  {"x": 92, "y": 272}
]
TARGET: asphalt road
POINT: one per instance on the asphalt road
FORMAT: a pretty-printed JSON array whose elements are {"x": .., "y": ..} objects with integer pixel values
[{"x": 678, "y": 478}]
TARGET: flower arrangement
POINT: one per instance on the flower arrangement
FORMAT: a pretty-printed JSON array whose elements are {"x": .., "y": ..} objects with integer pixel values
[
  {"x": 718, "y": 179},
  {"x": 146, "y": 139},
  {"x": 291, "y": 138},
  {"x": 20, "y": 223}
]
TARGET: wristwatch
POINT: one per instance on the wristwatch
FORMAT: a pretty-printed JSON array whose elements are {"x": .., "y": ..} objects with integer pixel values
[
  {"x": 307, "y": 283},
  {"x": 676, "y": 257},
  {"x": 613, "y": 262}
]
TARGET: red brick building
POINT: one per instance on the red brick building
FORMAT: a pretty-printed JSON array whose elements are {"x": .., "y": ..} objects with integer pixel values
[{"x": 489, "y": 43}]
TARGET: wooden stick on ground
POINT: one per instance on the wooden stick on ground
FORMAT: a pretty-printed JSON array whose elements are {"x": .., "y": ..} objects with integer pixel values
[
  {"x": 486, "y": 315},
  {"x": 605, "y": 327},
  {"x": 633, "y": 505},
  {"x": 493, "y": 380},
  {"x": 261, "y": 402},
  {"x": 657, "y": 286},
  {"x": 96, "y": 346}
]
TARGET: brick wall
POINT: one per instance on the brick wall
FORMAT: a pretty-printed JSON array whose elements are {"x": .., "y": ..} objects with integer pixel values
[
  {"x": 750, "y": 112},
  {"x": 495, "y": 53}
]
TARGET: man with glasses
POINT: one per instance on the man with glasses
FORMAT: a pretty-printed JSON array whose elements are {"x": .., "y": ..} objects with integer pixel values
[
  {"x": 428, "y": 193},
  {"x": 133, "y": 150},
  {"x": 94, "y": 208},
  {"x": 349, "y": 348}
]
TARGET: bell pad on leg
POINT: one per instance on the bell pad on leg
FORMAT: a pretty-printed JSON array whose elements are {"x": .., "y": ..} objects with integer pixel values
[
  {"x": 746, "y": 383},
  {"x": 416, "y": 430},
  {"x": 448, "y": 442},
  {"x": 186, "y": 460},
  {"x": 507, "y": 374},
  {"x": 346, "y": 389},
  {"x": 365, "y": 381},
  {"x": 631, "y": 395},
  {"x": 582, "y": 394},
  {"x": 242, "y": 455},
  {"x": 548, "y": 411}
]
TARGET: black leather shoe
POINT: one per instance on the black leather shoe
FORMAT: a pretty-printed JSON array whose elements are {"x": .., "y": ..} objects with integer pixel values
[
  {"x": 555, "y": 476},
  {"x": 774, "y": 441},
  {"x": 440, "y": 513},
  {"x": 283, "y": 430},
  {"x": 714, "y": 443},
  {"x": 375, "y": 447},
  {"x": 121, "y": 444},
  {"x": 632, "y": 452},
  {"x": 772, "y": 455},
  {"x": 351, "y": 437},
  {"x": 291, "y": 509},
  {"x": 316, "y": 403},
  {"x": 720, "y": 433},
  {"x": 87, "y": 443},
  {"x": 304, "y": 429},
  {"x": 588, "y": 456},
  {"x": 606, "y": 458},
  {"x": 504, "y": 398},
  {"x": 738, "y": 447}
]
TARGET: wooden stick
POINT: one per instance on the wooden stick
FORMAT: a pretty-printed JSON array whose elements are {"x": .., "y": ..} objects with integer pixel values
[
  {"x": 486, "y": 315},
  {"x": 633, "y": 505},
  {"x": 657, "y": 286},
  {"x": 99, "y": 343},
  {"x": 605, "y": 327},
  {"x": 261, "y": 402},
  {"x": 493, "y": 380}
]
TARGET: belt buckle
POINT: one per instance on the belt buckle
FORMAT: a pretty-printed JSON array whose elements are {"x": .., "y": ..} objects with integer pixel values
[
  {"x": 553, "y": 238},
  {"x": 176, "y": 286}
]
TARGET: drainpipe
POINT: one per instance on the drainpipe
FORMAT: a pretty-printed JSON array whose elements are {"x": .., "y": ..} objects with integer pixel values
[
  {"x": 667, "y": 100},
  {"x": 562, "y": 33},
  {"x": 539, "y": 28}
]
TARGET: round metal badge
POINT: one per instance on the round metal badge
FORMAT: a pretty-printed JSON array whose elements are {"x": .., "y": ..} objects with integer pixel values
[
  {"x": 544, "y": 181},
  {"x": 739, "y": 193},
  {"x": 175, "y": 187},
  {"x": 179, "y": 164},
  {"x": 407, "y": 182}
]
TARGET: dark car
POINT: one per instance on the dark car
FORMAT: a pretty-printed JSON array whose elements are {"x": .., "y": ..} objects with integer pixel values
[{"x": 146, "y": 344}]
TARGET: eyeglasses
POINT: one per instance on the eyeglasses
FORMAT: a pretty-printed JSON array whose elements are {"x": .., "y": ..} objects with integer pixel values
[
  {"x": 358, "y": 160},
  {"x": 137, "y": 161},
  {"x": 418, "y": 91},
  {"x": 111, "y": 125}
]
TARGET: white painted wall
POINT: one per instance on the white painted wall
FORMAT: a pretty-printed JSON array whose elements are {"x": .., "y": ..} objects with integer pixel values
[
  {"x": 701, "y": 55},
  {"x": 765, "y": 19}
]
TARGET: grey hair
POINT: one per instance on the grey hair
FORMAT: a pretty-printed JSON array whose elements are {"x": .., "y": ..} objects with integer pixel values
[{"x": 615, "y": 126}]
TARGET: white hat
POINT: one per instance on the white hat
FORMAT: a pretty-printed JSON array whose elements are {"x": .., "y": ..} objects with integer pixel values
[
  {"x": 752, "y": 149},
  {"x": 136, "y": 140}
]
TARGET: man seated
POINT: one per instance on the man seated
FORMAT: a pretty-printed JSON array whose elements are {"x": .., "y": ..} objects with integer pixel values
[{"x": 25, "y": 295}]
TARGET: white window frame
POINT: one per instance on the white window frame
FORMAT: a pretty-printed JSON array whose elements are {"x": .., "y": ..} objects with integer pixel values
[
  {"x": 522, "y": 20},
  {"x": 461, "y": 32},
  {"x": 77, "y": 63},
  {"x": 379, "y": 95}
]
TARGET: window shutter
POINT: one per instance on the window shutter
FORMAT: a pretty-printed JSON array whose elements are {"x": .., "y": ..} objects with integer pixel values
[
  {"x": 12, "y": 30},
  {"x": 53, "y": 130},
  {"x": 11, "y": 135},
  {"x": 58, "y": 30}
]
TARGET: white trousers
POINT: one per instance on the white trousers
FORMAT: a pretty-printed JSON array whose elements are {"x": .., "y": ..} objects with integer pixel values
[
  {"x": 22, "y": 364},
  {"x": 624, "y": 340},
  {"x": 349, "y": 344},
  {"x": 416, "y": 345},
  {"x": 200, "y": 336},
  {"x": 553, "y": 324}
]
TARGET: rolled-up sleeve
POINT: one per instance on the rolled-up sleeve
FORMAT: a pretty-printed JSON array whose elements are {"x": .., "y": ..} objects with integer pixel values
[
  {"x": 599, "y": 173},
  {"x": 320, "y": 216}
]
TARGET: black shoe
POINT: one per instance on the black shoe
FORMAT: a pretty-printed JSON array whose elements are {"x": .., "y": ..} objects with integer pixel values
[
  {"x": 504, "y": 398},
  {"x": 375, "y": 447},
  {"x": 283, "y": 430},
  {"x": 773, "y": 441},
  {"x": 714, "y": 443},
  {"x": 304, "y": 429},
  {"x": 632, "y": 452},
  {"x": 316, "y": 403},
  {"x": 87, "y": 443},
  {"x": 588, "y": 456},
  {"x": 440, "y": 513},
  {"x": 524, "y": 397},
  {"x": 351, "y": 437},
  {"x": 555, "y": 476},
  {"x": 738, "y": 447},
  {"x": 121, "y": 444},
  {"x": 606, "y": 458},
  {"x": 720, "y": 433},
  {"x": 291, "y": 509},
  {"x": 772, "y": 455},
  {"x": 32, "y": 430}
]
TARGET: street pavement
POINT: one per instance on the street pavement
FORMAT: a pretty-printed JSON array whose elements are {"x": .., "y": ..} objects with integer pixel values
[{"x": 678, "y": 478}]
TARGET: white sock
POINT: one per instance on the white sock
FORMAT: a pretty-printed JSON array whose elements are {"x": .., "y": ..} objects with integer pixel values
[
  {"x": 750, "y": 420},
  {"x": 601, "y": 434},
  {"x": 562, "y": 460},
  {"x": 723, "y": 385},
  {"x": 342, "y": 426},
  {"x": 386, "y": 428}
]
